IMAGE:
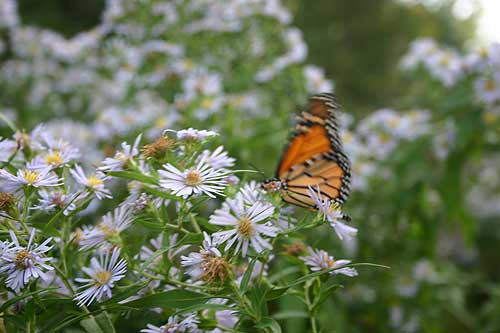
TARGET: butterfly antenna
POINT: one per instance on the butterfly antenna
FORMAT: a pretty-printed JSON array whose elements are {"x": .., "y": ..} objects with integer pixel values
[{"x": 254, "y": 167}]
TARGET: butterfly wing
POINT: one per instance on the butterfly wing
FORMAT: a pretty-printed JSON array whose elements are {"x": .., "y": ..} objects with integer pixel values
[{"x": 314, "y": 156}]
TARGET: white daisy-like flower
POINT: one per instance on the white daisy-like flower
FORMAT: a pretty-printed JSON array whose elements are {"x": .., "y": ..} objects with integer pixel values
[
  {"x": 55, "y": 158},
  {"x": 94, "y": 182},
  {"x": 331, "y": 211},
  {"x": 103, "y": 274},
  {"x": 200, "y": 179},
  {"x": 50, "y": 200},
  {"x": 23, "y": 263},
  {"x": 218, "y": 159},
  {"x": 319, "y": 260},
  {"x": 488, "y": 89},
  {"x": 29, "y": 177},
  {"x": 251, "y": 192},
  {"x": 195, "y": 261},
  {"x": 111, "y": 225},
  {"x": 194, "y": 134},
  {"x": 248, "y": 225},
  {"x": 175, "y": 324},
  {"x": 121, "y": 158}
]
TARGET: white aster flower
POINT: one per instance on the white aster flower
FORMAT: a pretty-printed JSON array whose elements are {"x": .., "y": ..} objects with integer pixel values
[
  {"x": 94, "y": 182},
  {"x": 319, "y": 260},
  {"x": 194, "y": 134},
  {"x": 197, "y": 262},
  {"x": 248, "y": 225},
  {"x": 103, "y": 274},
  {"x": 218, "y": 159},
  {"x": 111, "y": 225},
  {"x": 331, "y": 211},
  {"x": 488, "y": 88},
  {"x": 50, "y": 200},
  {"x": 29, "y": 177},
  {"x": 21, "y": 264},
  {"x": 175, "y": 324},
  {"x": 200, "y": 179},
  {"x": 54, "y": 158},
  {"x": 121, "y": 158}
]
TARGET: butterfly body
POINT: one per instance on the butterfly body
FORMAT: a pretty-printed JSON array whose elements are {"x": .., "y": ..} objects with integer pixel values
[{"x": 314, "y": 157}]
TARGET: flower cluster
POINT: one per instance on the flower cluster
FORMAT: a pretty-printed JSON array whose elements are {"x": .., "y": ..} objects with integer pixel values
[{"x": 168, "y": 190}]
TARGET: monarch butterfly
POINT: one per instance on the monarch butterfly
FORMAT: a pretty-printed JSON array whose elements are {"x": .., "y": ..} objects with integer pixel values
[{"x": 314, "y": 157}]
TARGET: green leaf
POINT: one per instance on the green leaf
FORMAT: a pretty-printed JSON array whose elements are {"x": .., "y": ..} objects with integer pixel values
[
  {"x": 124, "y": 294},
  {"x": 178, "y": 299},
  {"x": 151, "y": 223},
  {"x": 276, "y": 293},
  {"x": 190, "y": 238},
  {"x": 133, "y": 176},
  {"x": 16, "y": 299},
  {"x": 257, "y": 296},
  {"x": 205, "y": 306},
  {"x": 290, "y": 314},
  {"x": 69, "y": 320},
  {"x": 159, "y": 193},
  {"x": 248, "y": 274},
  {"x": 104, "y": 321},
  {"x": 207, "y": 324},
  {"x": 98, "y": 324},
  {"x": 270, "y": 325},
  {"x": 324, "y": 293}
]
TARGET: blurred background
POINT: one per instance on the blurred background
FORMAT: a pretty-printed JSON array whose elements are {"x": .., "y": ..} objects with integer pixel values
[{"x": 421, "y": 123}]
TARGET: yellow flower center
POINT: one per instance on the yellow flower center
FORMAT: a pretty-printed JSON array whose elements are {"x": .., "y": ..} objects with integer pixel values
[
  {"x": 30, "y": 176},
  {"x": 207, "y": 103},
  {"x": 22, "y": 258},
  {"x": 193, "y": 178},
  {"x": 385, "y": 138},
  {"x": 490, "y": 85},
  {"x": 334, "y": 207},
  {"x": 330, "y": 263},
  {"x": 445, "y": 60},
  {"x": 105, "y": 229},
  {"x": 490, "y": 117},
  {"x": 245, "y": 227},
  {"x": 160, "y": 122},
  {"x": 54, "y": 158},
  {"x": 483, "y": 53},
  {"x": 393, "y": 123},
  {"x": 102, "y": 277},
  {"x": 93, "y": 181}
]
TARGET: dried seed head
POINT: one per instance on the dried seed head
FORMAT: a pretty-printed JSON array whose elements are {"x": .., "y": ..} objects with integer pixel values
[
  {"x": 294, "y": 249},
  {"x": 215, "y": 269},
  {"x": 6, "y": 201},
  {"x": 157, "y": 148}
]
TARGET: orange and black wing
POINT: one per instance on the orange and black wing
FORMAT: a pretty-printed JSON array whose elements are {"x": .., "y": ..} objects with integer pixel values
[{"x": 314, "y": 156}]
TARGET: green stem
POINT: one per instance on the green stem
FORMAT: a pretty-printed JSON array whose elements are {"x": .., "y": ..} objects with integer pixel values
[
  {"x": 195, "y": 223},
  {"x": 310, "y": 310}
]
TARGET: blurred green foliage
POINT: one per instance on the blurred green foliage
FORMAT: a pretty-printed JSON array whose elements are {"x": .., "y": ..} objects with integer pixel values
[{"x": 359, "y": 43}]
